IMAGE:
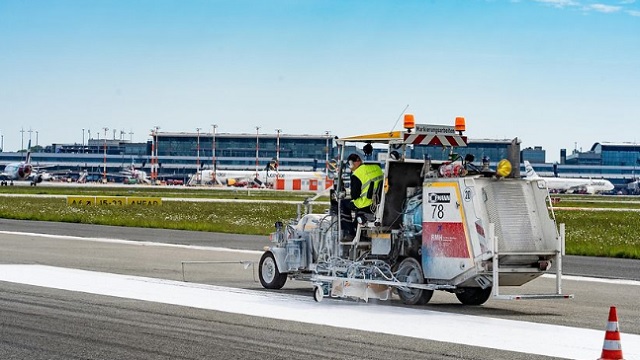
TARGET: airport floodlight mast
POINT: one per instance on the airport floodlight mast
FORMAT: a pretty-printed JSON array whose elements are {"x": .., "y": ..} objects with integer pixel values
[
  {"x": 22, "y": 141},
  {"x": 213, "y": 150},
  {"x": 82, "y": 141},
  {"x": 104, "y": 172},
  {"x": 278, "y": 131},
  {"x": 153, "y": 149},
  {"x": 326, "y": 156},
  {"x": 198, "y": 150},
  {"x": 257, "y": 148},
  {"x": 154, "y": 152}
]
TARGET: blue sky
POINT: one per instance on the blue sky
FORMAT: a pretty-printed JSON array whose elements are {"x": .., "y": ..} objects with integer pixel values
[{"x": 554, "y": 73}]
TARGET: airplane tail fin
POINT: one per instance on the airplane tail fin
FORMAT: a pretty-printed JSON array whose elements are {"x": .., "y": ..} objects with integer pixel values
[
  {"x": 28, "y": 159},
  {"x": 530, "y": 173}
]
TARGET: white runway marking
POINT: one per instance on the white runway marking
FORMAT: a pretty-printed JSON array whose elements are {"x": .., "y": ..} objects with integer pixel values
[
  {"x": 131, "y": 242},
  {"x": 519, "y": 336}
]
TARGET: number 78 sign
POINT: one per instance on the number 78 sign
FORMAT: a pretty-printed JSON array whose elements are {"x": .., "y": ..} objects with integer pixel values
[{"x": 443, "y": 228}]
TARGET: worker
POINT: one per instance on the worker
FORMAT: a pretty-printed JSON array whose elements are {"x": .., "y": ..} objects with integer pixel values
[{"x": 366, "y": 180}]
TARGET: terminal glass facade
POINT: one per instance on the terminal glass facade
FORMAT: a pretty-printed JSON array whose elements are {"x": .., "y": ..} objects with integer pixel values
[{"x": 495, "y": 150}]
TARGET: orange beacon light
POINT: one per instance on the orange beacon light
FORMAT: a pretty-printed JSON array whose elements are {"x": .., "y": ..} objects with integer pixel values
[{"x": 409, "y": 121}]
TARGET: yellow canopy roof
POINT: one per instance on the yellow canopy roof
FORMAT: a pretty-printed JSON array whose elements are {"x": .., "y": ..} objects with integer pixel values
[{"x": 383, "y": 137}]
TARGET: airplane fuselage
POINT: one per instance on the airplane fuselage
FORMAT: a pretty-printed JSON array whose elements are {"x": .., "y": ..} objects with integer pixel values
[
  {"x": 591, "y": 186},
  {"x": 17, "y": 171},
  {"x": 568, "y": 184},
  {"x": 245, "y": 176}
]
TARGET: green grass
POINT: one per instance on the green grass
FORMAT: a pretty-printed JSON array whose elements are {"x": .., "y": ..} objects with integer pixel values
[
  {"x": 601, "y": 233},
  {"x": 167, "y": 192},
  {"x": 236, "y": 218},
  {"x": 589, "y": 233}
]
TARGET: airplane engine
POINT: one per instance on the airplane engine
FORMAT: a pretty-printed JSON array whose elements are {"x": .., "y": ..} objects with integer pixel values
[
  {"x": 37, "y": 178},
  {"x": 590, "y": 190},
  {"x": 24, "y": 171}
]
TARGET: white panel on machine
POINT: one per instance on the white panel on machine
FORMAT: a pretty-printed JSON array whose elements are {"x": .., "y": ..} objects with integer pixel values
[{"x": 446, "y": 250}]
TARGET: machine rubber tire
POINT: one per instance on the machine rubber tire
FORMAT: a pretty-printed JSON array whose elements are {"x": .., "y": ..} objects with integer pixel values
[
  {"x": 318, "y": 294},
  {"x": 270, "y": 276},
  {"x": 474, "y": 295},
  {"x": 410, "y": 270}
]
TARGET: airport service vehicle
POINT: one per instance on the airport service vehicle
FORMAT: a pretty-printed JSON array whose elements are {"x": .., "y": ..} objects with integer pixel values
[{"x": 436, "y": 225}]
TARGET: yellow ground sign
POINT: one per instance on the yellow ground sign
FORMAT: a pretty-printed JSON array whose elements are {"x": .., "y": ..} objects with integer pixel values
[
  {"x": 113, "y": 200},
  {"x": 81, "y": 200},
  {"x": 148, "y": 201}
]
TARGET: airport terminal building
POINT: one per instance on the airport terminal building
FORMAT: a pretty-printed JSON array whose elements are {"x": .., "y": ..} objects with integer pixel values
[{"x": 180, "y": 154}]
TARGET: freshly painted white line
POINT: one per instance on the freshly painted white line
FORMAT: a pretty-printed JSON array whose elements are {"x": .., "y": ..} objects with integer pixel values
[
  {"x": 131, "y": 242},
  {"x": 181, "y": 199},
  {"x": 595, "y": 209},
  {"x": 519, "y": 336},
  {"x": 594, "y": 279},
  {"x": 255, "y": 252}
]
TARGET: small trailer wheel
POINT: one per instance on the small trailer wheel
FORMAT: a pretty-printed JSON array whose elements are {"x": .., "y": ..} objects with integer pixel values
[{"x": 318, "y": 294}]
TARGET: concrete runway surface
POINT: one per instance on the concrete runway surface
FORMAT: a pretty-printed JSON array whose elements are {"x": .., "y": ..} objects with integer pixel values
[{"x": 41, "y": 322}]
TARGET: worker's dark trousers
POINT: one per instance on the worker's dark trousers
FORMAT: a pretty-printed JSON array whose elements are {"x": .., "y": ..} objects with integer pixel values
[{"x": 346, "y": 219}]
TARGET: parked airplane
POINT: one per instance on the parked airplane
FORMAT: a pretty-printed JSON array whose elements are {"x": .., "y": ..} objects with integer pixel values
[
  {"x": 20, "y": 171},
  {"x": 590, "y": 186},
  {"x": 262, "y": 178},
  {"x": 136, "y": 176}
]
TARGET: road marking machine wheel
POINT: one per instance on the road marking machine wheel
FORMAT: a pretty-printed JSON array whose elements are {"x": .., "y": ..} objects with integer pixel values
[
  {"x": 410, "y": 271},
  {"x": 474, "y": 295},
  {"x": 270, "y": 276}
]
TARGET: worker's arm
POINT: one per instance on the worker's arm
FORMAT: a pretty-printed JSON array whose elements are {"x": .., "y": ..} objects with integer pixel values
[{"x": 356, "y": 187}]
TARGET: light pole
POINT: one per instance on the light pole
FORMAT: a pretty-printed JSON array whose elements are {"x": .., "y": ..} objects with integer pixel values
[
  {"x": 104, "y": 172},
  {"x": 22, "y": 141},
  {"x": 213, "y": 150},
  {"x": 278, "y": 153},
  {"x": 198, "y": 150},
  {"x": 326, "y": 158},
  {"x": 36, "y": 137},
  {"x": 154, "y": 152},
  {"x": 257, "y": 148},
  {"x": 82, "y": 151}
]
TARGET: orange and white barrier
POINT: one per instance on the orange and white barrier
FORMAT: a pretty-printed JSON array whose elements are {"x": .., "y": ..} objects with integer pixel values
[{"x": 303, "y": 184}]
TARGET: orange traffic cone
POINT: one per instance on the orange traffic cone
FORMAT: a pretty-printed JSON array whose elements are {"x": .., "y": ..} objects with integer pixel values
[{"x": 612, "y": 348}]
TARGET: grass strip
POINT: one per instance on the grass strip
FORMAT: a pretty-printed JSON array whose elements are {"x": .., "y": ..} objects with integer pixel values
[{"x": 589, "y": 233}]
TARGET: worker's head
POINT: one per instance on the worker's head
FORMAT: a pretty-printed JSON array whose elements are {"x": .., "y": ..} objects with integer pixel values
[{"x": 354, "y": 161}]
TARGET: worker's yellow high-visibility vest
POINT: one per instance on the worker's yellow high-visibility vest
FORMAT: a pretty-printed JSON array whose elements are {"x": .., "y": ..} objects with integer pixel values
[{"x": 369, "y": 175}]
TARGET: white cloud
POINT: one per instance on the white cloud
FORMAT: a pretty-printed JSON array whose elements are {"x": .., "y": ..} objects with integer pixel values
[
  {"x": 559, "y": 3},
  {"x": 633, "y": 13},
  {"x": 608, "y": 9},
  {"x": 626, "y": 2}
]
